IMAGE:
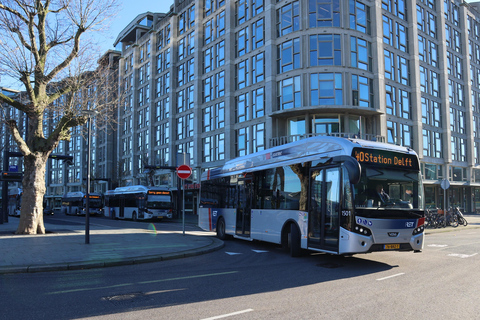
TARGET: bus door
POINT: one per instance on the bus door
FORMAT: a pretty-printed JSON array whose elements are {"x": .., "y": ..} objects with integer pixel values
[
  {"x": 121, "y": 207},
  {"x": 244, "y": 205},
  {"x": 324, "y": 208}
]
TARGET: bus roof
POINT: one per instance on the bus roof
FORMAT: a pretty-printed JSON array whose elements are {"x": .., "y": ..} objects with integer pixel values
[
  {"x": 137, "y": 189},
  {"x": 79, "y": 194},
  {"x": 313, "y": 148}
]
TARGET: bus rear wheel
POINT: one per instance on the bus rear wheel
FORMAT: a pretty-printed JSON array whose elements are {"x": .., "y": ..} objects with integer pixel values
[{"x": 221, "y": 233}]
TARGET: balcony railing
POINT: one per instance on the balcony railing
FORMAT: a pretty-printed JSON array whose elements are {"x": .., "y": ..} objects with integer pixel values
[{"x": 278, "y": 141}]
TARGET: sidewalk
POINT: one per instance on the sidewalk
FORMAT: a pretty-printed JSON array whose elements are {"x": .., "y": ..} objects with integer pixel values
[{"x": 64, "y": 248}]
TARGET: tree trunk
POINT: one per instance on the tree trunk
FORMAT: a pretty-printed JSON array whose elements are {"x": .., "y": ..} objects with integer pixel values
[{"x": 31, "y": 212}]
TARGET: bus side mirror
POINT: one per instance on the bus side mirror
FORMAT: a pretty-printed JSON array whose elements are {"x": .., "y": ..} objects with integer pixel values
[{"x": 353, "y": 167}]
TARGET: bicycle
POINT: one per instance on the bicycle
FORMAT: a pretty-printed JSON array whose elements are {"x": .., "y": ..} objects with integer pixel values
[{"x": 460, "y": 218}]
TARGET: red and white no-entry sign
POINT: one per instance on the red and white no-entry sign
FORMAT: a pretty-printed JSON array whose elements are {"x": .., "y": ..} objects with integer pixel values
[{"x": 184, "y": 171}]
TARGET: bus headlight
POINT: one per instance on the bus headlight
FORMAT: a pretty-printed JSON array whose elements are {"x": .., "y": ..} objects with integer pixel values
[
  {"x": 364, "y": 231},
  {"x": 420, "y": 227},
  {"x": 418, "y": 230}
]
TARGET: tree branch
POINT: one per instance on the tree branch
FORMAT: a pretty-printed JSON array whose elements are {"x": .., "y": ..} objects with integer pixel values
[
  {"x": 17, "y": 137},
  {"x": 13, "y": 103}
]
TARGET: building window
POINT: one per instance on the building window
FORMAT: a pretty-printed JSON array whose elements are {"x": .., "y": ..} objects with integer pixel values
[
  {"x": 258, "y": 137},
  {"x": 288, "y": 19},
  {"x": 258, "y": 70},
  {"x": 258, "y": 102},
  {"x": 242, "y": 71},
  {"x": 242, "y": 11},
  {"x": 362, "y": 91},
  {"x": 325, "y": 50},
  {"x": 258, "y": 33},
  {"x": 359, "y": 16},
  {"x": 242, "y": 108},
  {"x": 324, "y": 14},
  {"x": 432, "y": 144},
  {"x": 361, "y": 54},
  {"x": 242, "y": 142},
  {"x": 288, "y": 55},
  {"x": 242, "y": 42},
  {"x": 289, "y": 93},
  {"x": 326, "y": 89}
]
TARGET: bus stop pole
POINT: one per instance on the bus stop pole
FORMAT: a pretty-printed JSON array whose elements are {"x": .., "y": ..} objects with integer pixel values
[{"x": 87, "y": 204}]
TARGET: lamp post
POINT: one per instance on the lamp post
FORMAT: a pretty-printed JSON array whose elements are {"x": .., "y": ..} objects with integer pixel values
[{"x": 89, "y": 114}]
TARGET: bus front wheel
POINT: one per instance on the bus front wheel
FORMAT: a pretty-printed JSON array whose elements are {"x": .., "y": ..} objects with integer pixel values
[{"x": 293, "y": 239}]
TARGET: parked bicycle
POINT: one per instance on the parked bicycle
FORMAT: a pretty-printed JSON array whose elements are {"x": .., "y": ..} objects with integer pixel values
[
  {"x": 459, "y": 216},
  {"x": 435, "y": 218}
]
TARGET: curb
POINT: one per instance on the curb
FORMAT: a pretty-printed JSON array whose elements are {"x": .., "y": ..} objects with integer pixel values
[{"x": 216, "y": 244}]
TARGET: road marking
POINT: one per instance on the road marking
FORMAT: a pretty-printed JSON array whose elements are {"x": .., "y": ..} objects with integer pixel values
[
  {"x": 259, "y": 251},
  {"x": 463, "y": 256},
  {"x": 438, "y": 245},
  {"x": 232, "y": 253},
  {"x": 229, "y": 314},
  {"x": 389, "y": 277}
]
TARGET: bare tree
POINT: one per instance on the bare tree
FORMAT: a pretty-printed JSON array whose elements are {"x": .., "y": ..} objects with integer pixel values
[{"x": 45, "y": 45}]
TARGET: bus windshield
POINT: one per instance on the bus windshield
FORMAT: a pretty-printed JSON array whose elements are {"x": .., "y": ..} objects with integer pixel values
[
  {"x": 389, "y": 189},
  {"x": 159, "y": 202},
  {"x": 96, "y": 203}
]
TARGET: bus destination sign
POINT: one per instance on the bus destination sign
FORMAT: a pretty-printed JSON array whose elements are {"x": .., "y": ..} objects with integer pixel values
[
  {"x": 386, "y": 158},
  {"x": 158, "y": 193}
]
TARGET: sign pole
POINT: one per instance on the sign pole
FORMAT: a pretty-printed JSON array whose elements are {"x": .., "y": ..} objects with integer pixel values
[
  {"x": 183, "y": 205},
  {"x": 183, "y": 172},
  {"x": 445, "y": 185}
]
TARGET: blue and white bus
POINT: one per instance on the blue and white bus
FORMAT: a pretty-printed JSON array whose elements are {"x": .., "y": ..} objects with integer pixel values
[
  {"x": 139, "y": 203},
  {"x": 75, "y": 203},
  {"x": 318, "y": 194}
]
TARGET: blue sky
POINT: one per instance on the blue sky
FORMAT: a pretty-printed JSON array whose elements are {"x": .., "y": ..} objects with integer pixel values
[{"x": 129, "y": 10}]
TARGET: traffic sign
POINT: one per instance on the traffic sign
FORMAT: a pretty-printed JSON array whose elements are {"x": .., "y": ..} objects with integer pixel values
[
  {"x": 445, "y": 184},
  {"x": 184, "y": 171}
]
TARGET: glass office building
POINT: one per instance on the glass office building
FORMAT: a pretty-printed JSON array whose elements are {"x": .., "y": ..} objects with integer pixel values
[{"x": 219, "y": 79}]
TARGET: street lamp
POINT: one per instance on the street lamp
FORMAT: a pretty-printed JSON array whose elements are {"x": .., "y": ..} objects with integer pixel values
[{"x": 89, "y": 114}]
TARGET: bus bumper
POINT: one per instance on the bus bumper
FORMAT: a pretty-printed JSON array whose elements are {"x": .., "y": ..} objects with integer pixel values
[{"x": 363, "y": 244}]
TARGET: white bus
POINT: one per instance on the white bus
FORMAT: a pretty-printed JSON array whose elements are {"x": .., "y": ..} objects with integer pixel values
[
  {"x": 75, "y": 203},
  {"x": 318, "y": 194},
  {"x": 139, "y": 203}
]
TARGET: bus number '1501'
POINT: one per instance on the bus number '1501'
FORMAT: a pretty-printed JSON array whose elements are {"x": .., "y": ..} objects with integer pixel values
[{"x": 346, "y": 213}]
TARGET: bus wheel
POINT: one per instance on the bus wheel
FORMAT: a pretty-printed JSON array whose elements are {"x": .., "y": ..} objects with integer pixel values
[
  {"x": 294, "y": 241},
  {"x": 221, "y": 234},
  {"x": 134, "y": 216}
]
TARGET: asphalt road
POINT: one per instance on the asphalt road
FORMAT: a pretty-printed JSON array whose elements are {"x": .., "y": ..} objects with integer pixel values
[{"x": 248, "y": 280}]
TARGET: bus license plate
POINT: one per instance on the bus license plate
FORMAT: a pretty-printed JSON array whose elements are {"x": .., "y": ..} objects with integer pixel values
[{"x": 392, "y": 246}]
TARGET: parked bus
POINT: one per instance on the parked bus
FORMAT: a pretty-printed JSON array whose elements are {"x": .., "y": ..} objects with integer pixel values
[
  {"x": 14, "y": 201},
  {"x": 318, "y": 194},
  {"x": 75, "y": 203},
  {"x": 139, "y": 203}
]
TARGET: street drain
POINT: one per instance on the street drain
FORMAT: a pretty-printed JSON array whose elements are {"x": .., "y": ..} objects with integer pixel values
[{"x": 329, "y": 265}]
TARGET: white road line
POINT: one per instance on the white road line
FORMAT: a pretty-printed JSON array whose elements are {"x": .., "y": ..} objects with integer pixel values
[
  {"x": 229, "y": 314},
  {"x": 395, "y": 275},
  {"x": 232, "y": 253},
  {"x": 463, "y": 256},
  {"x": 438, "y": 245}
]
